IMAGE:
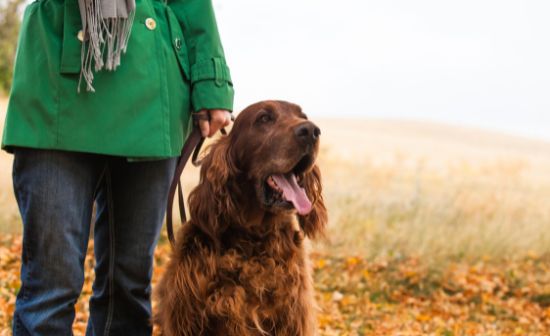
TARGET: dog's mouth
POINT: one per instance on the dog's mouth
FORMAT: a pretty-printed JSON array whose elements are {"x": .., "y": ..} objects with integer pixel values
[{"x": 283, "y": 190}]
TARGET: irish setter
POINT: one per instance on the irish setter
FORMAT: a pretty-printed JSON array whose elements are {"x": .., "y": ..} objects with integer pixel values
[{"x": 240, "y": 267}]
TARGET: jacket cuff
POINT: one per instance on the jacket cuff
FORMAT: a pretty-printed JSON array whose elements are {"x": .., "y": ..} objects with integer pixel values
[
  {"x": 211, "y": 85},
  {"x": 209, "y": 95},
  {"x": 214, "y": 68}
]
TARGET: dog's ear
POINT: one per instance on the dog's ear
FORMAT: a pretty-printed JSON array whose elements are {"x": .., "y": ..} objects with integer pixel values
[
  {"x": 313, "y": 224},
  {"x": 211, "y": 203}
]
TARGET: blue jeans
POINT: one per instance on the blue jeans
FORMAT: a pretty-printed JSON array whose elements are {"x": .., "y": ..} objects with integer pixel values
[{"x": 55, "y": 191}]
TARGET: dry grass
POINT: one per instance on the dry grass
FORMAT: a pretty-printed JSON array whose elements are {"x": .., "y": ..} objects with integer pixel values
[
  {"x": 406, "y": 188},
  {"x": 398, "y": 188}
]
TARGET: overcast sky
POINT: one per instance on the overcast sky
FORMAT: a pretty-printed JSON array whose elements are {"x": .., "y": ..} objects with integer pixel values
[{"x": 484, "y": 63}]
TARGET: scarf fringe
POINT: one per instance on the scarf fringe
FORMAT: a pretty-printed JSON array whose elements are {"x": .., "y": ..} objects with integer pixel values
[{"x": 105, "y": 40}]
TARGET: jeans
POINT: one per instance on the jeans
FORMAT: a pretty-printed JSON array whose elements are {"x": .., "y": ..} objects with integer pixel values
[{"x": 55, "y": 191}]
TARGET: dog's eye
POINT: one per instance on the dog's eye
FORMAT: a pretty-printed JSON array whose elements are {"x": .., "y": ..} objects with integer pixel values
[{"x": 265, "y": 118}]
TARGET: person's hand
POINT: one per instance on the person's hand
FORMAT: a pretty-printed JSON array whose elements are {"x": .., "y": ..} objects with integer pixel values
[{"x": 217, "y": 120}]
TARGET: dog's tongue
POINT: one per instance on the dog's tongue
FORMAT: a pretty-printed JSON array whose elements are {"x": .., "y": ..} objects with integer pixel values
[{"x": 292, "y": 192}]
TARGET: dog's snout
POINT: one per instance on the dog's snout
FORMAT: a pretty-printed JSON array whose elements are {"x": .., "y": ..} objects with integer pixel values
[{"x": 307, "y": 132}]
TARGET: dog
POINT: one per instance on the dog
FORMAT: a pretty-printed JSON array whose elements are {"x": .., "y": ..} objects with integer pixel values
[{"x": 240, "y": 266}]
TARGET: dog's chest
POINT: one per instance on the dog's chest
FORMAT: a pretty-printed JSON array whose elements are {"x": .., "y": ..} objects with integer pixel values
[{"x": 271, "y": 271}]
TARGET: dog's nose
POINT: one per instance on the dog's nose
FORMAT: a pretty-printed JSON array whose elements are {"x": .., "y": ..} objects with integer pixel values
[{"x": 307, "y": 132}]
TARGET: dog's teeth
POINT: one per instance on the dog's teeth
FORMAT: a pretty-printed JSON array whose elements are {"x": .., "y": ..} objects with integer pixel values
[{"x": 273, "y": 184}]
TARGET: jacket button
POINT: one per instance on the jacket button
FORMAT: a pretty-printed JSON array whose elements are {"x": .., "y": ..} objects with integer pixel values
[
  {"x": 151, "y": 24},
  {"x": 177, "y": 43},
  {"x": 80, "y": 35}
]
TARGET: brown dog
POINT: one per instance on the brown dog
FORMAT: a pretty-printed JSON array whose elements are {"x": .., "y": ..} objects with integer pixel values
[{"x": 240, "y": 267}]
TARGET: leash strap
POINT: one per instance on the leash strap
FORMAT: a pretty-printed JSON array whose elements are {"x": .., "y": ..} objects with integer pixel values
[{"x": 193, "y": 146}]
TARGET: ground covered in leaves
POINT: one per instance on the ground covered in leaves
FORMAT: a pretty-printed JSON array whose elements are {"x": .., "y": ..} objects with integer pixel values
[{"x": 382, "y": 297}]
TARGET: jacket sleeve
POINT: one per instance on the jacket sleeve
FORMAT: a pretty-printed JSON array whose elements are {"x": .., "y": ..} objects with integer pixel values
[{"x": 211, "y": 85}]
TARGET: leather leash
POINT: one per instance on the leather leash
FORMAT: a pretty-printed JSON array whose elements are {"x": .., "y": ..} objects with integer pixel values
[{"x": 193, "y": 146}]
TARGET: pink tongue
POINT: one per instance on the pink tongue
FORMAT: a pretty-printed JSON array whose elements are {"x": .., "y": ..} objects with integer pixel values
[{"x": 292, "y": 192}]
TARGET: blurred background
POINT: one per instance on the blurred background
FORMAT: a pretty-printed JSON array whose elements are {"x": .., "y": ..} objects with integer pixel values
[
  {"x": 435, "y": 114},
  {"x": 435, "y": 153}
]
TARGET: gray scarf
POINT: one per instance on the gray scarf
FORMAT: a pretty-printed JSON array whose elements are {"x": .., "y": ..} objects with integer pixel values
[{"x": 106, "y": 25}]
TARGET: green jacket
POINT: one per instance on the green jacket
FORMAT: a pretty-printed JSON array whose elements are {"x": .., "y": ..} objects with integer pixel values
[{"x": 142, "y": 110}]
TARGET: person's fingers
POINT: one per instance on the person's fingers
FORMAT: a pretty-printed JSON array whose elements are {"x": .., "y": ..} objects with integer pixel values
[
  {"x": 218, "y": 120},
  {"x": 227, "y": 119},
  {"x": 204, "y": 124}
]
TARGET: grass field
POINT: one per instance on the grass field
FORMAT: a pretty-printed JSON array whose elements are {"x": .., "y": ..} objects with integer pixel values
[
  {"x": 434, "y": 230},
  {"x": 407, "y": 188}
]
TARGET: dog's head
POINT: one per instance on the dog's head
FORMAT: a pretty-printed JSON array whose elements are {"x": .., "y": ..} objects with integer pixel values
[{"x": 266, "y": 164}]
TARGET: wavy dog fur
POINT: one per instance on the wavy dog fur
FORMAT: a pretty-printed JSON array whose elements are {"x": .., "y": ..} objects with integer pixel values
[{"x": 240, "y": 266}]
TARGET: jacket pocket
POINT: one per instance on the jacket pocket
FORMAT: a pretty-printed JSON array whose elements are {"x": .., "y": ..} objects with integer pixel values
[
  {"x": 178, "y": 43},
  {"x": 71, "y": 45}
]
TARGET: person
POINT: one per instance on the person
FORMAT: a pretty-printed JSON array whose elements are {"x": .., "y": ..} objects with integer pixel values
[{"x": 82, "y": 132}]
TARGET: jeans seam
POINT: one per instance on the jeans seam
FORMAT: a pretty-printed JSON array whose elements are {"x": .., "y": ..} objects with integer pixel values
[
  {"x": 17, "y": 327},
  {"x": 110, "y": 276},
  {"x": 17, "y": 191}
]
